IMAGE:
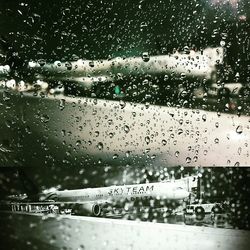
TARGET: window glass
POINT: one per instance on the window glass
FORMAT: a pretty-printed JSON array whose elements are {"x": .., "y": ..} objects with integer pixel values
[{"x": 122, "y": 113}]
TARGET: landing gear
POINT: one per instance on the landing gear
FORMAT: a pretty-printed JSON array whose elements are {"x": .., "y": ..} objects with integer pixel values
[{"x": 199, "y": 213}]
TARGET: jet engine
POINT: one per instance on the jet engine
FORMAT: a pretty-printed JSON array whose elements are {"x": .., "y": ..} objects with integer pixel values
[{"x": 88, "y": 208}]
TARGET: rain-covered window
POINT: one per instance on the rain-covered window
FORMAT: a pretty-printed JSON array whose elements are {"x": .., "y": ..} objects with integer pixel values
[{"x": 124, "y": 124}]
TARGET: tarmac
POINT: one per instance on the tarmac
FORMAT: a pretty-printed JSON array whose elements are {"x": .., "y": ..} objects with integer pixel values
[{"x": 38, "y": 231}]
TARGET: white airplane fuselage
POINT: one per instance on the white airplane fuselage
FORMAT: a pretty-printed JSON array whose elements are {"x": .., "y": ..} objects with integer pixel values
[
  {"x": 92, "y": 201},
  {"x": 166, "y": 191}
]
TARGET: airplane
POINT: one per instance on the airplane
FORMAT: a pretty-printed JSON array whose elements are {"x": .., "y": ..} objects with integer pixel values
[{"x": 91, "y": 201}]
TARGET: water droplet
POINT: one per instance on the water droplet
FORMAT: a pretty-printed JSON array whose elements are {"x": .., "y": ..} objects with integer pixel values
[
  {"x": 204, "y": 117},
  {"x": 239, "y": 150},
  {"x": 180, "y": 131},
  {"x": 145, "y": 56},
  {"x": 222, "y": 43},
  {"x": 97, "y": 133},
  {"x": 111, "y": 135},
  {"x": 147, "y": 139},
  {"x": 122, "y": 104},
  {"x": 95, "y": 101},
  {"x": 147, "y": 104},
  {"x": 68, "y": 65},
  {"x": 91, "y": 64},
  {"x": 115, "y": 156},
  {"x": 183, "y": 75},
  {"x": 41, "y": 62},
  {"x": 27, "y": 130},
  {"x": 216, "y": 140},
  {"x": 8, "y": 123},
  {"x": 58, "y": 63},
  {"x": 126, "y": 128},
  {"x": 128, "y": 153},
  {"x": 45, "y": 118},
  {"x": 166, "y": 77},
  {"x": 216, "y": 124},
  {"x": 188, "y": 160},
  {"x": 164, "y": 142},
  {"x": 153, "y": 157},
  {"x": 177, "y": 153},
  {"x": 78, "y": 143},
  {"x": 81, "y": 247},
  {"x": 62, "y": 104},
  {"x": 100, "y": 146},
  {"x": 239, "y": 129}
]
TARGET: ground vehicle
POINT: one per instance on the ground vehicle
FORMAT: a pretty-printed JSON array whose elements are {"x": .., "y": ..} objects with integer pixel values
[{"x": 201, "y": 209}]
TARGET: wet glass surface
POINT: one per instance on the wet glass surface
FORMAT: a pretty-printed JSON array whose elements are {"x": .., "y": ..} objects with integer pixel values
[{"x": 140, "y": 109}]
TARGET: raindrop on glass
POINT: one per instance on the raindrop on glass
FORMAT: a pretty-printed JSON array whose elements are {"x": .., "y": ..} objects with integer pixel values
[
  {"x": 62, "y": 104},
  {"x": 145, "y": 57},
  {"x": 115, "y": 156},
  {"x": 147, "y": 139},
  {"x": 164, "y": 142},
  {"x": 45, "y": 118},
  {"x": 41, "y": 62},
  {"x": 126, "y": 128},
  {"x": 100, "y": 146},
  {"x": 68, "y": 65},
  {"x": 239, "y": 129},
  {"x": 122, "y": 104}
]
